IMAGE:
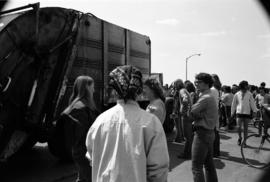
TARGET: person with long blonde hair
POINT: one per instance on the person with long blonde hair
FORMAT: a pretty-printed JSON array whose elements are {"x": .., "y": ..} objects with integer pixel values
[{"x": 82, "y": 113}]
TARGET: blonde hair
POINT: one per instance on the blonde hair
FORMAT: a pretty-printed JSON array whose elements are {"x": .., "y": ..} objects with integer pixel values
[{"x": 80, "y": 93}]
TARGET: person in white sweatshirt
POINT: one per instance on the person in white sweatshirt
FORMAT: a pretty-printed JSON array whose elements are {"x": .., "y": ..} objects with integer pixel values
[{"x": 243, "y": 103}]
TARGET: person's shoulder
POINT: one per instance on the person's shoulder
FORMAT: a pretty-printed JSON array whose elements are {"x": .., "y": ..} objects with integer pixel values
[
  {"x": 110, "y": 111},
  {"x": 103, "y": 118},
  {"x": 209, "y": 97},
  {"x": 79, "y": 105},
  {"x": 238, "y": 93},
  {"x": 213, "y": 89},
  {"x": 159, "y": 102},
  {"x": 151, "y": 120},
  {"x": 249, "y": 94}
]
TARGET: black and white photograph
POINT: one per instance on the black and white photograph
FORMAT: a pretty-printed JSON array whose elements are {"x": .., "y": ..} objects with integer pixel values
[{"x": 134, "y": 91}]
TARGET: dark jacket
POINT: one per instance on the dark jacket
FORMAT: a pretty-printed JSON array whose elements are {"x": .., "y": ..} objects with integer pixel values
[{"x": 81, "y": 118}]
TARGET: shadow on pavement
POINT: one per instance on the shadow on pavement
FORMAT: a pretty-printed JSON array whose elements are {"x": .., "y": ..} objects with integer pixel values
[
  {"x": 224, "y": 137},
  {"x": 219, "y": 164},
  {"x": 36, "y": 164},
  {"x": 174, "y": 150},
  {"x": 224, "y": 155}
]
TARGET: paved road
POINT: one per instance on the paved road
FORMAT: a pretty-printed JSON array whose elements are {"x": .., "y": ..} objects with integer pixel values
[
  {"x": 230, "y": 165},
  {"x": 38, "y": 165}
]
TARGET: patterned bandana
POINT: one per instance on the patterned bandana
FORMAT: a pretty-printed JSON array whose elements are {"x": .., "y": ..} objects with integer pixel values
[{"x": 126, "y": 79}]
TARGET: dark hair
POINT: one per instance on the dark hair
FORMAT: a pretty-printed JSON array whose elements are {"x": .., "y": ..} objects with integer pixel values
[
  {"x": 227, "y": 89},
  {"x": 253, "y": 88},
  {"x": 178, "y": 84},
  {"x": 217, "y": 84},
  {"x": 243, "y": 84},
  {"x": 156, "y": 87},
  {"x": 234, "y": 88},
  {"x": 190, "y": 86},
  {"x": 262, "y": 84},
  {"x": 262, "y": 88},
  {"x": 206, "y": 78}
]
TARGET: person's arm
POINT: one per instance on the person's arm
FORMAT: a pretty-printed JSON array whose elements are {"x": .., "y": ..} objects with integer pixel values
[
  {"x": 198, "y": 107},
  {"x": 89, "y": 144},
  {"x": 158, "y": 111},
  {"x": 233, "y": 107},
  {"x": 185, "y": 102},
  {"x": 252, "y": 105},
  {"x": 156, "y": 154}
]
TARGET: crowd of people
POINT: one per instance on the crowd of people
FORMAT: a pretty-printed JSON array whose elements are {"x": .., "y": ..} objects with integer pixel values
[{"x": 129, "y": 143}]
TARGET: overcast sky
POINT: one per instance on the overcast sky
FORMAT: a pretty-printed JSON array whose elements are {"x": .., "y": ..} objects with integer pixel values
[{"x": 232, "y": 36}]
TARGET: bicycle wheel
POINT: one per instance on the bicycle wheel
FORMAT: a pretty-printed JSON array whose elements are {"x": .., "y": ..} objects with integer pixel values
[{"x": 256, "y": 152}]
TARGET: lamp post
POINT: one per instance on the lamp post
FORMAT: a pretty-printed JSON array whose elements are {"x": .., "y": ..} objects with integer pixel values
[{"x": 187, "y": 58}]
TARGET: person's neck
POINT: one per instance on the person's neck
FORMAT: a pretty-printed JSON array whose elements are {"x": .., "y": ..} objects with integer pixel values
[{"x": 204, "y": 90}]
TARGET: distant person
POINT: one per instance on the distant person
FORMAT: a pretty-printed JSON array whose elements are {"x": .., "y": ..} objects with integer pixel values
[
  {"x": 126, "y": 143},
  {"x": 216, "y": 92},
  {"x": 235, "y": 89},
  {"x": 263, "y": 84},
  {"x": 154, "y": 92},
  {"x": 82, "y": 112},
  {"x": 166, "y": 89},
  {"x": 267, "y": 90},
  {"x": 226, "y": 100},
  {"x": 254, "y": 90},
  {"x": 222, "y": 112},
  {"x": 169, "y": 125},
  {"x": 205, "y": 114},
  {"x": 192, "y": 91},
  {"x": 176, "y": 115},
  {"x": 262, "y": 98},
  {"x": 243, "y": 103},
  {"x": 185, "y": 104}
]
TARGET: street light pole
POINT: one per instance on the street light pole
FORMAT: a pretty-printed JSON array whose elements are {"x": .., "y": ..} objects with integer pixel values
[{"x": 187, "y": 58}]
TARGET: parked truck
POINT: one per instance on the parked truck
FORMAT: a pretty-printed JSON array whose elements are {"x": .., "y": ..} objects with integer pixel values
[{"x": 42, "y": 52}]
